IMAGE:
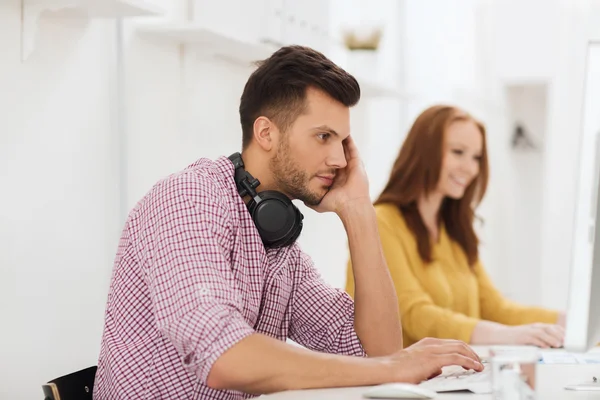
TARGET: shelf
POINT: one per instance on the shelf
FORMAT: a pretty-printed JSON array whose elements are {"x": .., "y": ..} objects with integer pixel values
[
  {"x": 210, "y": 42},
  {"x": 98, "y": 8},
  {"x": 237, "y": 51},
  {"x": 34, "y": 9}
]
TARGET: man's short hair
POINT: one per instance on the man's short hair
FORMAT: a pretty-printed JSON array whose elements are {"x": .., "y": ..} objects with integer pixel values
[{"x": 277, "y": 88}]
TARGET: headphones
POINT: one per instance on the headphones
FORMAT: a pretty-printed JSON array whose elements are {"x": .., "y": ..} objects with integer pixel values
[{"x": 278, "y": 220}]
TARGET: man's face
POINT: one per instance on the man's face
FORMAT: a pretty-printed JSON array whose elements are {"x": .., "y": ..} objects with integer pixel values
[{"x": 310, "y": 152}]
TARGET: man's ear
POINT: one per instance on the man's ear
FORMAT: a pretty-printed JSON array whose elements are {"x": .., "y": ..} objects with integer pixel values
[{"x": 265, "y": 133}]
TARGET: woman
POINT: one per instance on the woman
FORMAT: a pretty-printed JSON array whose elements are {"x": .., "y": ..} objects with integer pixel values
[{"x": 425, "y": 215}]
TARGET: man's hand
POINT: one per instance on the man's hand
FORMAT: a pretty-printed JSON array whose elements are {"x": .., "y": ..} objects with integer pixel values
[
  {"x": 425, "y": 359},
  {"x": 541, "y": 335},
  {"x": 350, "y": 183}
]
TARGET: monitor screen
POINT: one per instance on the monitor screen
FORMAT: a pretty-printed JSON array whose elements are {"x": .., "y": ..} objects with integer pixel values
[{"x": 583, "y": 312}]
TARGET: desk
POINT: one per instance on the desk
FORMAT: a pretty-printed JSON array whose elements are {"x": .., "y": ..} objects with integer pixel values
[{"x": 552, "y": 379}]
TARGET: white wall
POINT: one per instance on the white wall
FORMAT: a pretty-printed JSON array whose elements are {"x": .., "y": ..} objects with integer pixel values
[
  {"x": 522, "y": 191},
  {"x": 559, "y": 40},
  {"x": 180, "y": 109},
  {"x": 59, "y": 205}
]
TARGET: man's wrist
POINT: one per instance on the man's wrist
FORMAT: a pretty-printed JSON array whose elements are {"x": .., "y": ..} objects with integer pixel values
[
  {"x": 355, "y": 208},
  {"x": 386, "y": 370},
  {"x": 378, "y": 370}
]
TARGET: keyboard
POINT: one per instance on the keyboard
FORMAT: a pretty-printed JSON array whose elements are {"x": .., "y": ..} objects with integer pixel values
[{"x": 457, "y": 379}]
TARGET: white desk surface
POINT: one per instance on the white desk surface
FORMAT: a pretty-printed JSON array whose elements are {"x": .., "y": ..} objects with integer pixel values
[{"x": 551, "y": 378}]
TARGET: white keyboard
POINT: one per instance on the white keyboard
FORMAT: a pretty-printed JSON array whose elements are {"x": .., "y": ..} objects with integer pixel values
[{"x": 456, "y": 379}]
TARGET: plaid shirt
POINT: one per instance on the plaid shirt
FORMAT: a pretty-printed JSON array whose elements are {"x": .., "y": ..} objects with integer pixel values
[{"x": 192, "y": 278}]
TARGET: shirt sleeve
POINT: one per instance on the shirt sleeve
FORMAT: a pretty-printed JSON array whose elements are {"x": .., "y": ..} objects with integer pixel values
[
  {"x": 322, "y": 316},
  {"x": 495, "y": 307},
  {"x": 191, "y": 283}
]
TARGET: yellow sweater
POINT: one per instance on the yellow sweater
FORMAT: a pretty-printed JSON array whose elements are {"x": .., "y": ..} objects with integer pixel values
[{"x": 446, "y": 298}]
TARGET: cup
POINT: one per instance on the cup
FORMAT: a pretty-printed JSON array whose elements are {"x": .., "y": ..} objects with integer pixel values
[{"x": 514, "y": 373}]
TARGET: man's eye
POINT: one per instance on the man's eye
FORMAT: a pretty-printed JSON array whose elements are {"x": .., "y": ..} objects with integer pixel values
[{"x": 323, "y": 136}]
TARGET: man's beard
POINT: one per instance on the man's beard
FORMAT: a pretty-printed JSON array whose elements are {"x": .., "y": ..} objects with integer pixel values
[{"x": 291, "y": 179}]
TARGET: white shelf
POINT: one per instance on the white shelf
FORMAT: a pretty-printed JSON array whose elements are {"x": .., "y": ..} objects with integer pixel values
[
  {"x": 34, "y": 9},
  {"x": 98, "y": 8},
  {"x": 209, "y": 42},
  {"x": 238, "y": 51}
]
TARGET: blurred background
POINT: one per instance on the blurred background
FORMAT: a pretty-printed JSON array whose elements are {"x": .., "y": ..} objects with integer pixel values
[{"x": 101, "y": 98}]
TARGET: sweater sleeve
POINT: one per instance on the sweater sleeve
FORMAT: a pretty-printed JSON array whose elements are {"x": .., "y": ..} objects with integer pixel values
[{"x": 497, "y": 308}]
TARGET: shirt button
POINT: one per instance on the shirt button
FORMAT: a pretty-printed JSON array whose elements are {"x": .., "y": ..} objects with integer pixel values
[{"x": 203, "y": 291}]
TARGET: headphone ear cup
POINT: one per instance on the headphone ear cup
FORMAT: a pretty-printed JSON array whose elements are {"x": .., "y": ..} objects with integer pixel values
[
  {"x": 278, "y": 220},
  {"x": 297, "y": 228}
]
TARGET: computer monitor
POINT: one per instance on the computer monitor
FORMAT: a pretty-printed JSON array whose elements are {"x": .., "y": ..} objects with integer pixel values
[{"x": 583, "y": 308}]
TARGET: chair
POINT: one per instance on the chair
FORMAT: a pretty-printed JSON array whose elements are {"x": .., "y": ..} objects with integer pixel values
[{"x": 76, "y": 386}]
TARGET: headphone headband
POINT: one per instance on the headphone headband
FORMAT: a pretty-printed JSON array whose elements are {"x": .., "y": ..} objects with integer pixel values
[{"x": 243, "y": 178}]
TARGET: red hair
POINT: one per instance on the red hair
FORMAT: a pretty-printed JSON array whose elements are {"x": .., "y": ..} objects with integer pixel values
[{"x": 416, "y": 173}]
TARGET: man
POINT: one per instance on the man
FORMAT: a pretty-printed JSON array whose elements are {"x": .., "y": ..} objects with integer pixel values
[{"x": 202, "y": 300}]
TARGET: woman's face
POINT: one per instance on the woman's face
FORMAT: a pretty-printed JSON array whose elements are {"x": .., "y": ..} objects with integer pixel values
[{"x": 462, "y": 151}]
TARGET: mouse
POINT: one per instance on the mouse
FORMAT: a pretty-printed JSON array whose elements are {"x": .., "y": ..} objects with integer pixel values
[{"x": 399, "y": 391}]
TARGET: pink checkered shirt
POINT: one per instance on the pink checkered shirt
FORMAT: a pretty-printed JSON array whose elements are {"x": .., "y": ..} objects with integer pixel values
[{"x": 192, "y": 278}]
